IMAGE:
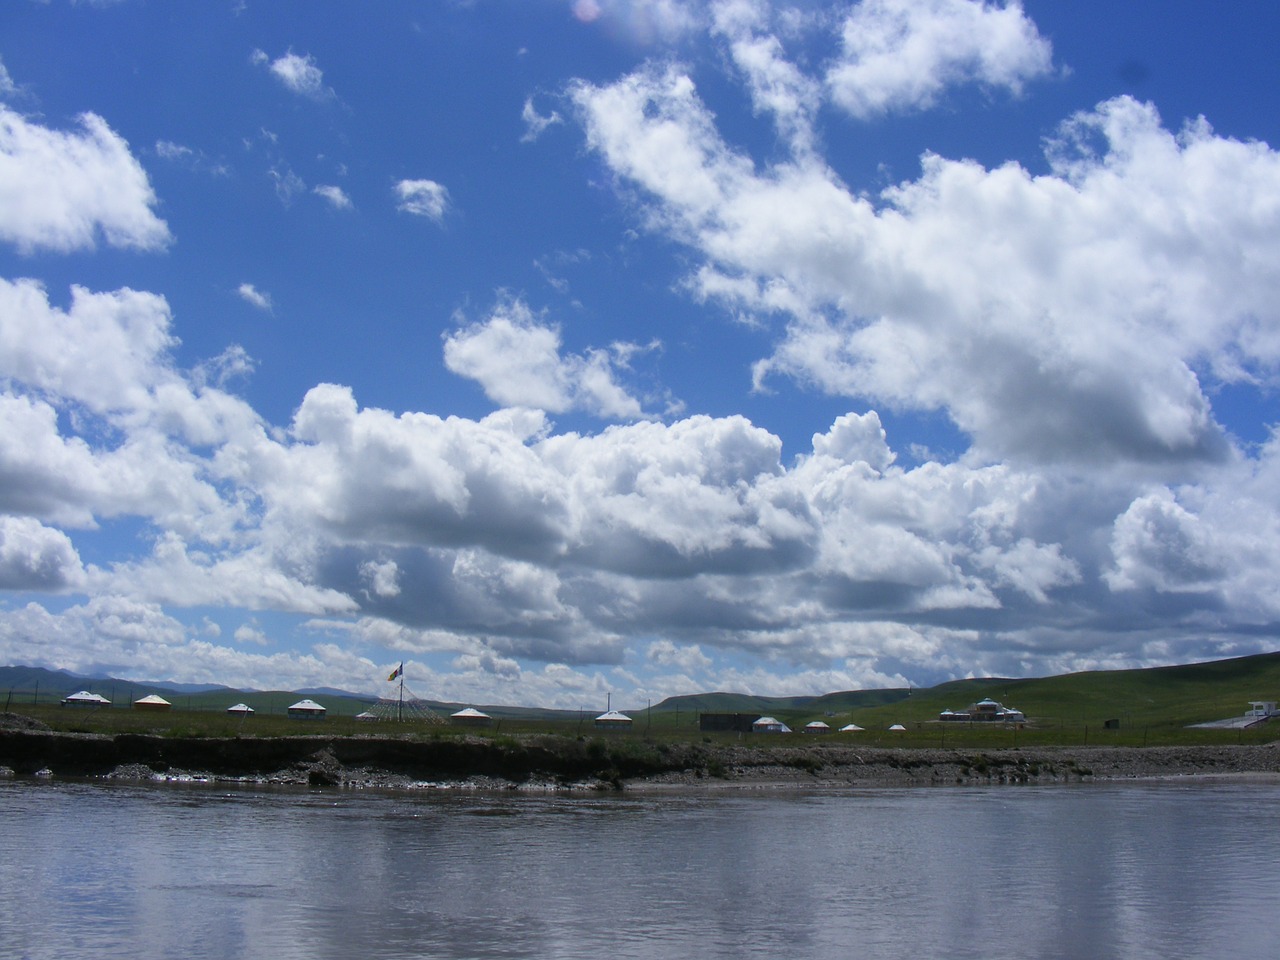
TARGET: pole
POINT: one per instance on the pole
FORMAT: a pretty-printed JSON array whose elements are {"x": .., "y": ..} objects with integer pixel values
[{"x": 400, "y": 712}]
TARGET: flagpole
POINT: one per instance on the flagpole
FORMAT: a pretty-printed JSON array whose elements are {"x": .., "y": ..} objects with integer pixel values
[{"x": 400, "y": 714}]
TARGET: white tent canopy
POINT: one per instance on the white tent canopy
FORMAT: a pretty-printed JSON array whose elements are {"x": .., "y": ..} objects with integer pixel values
[
  {"x": 83, "y": 698},
  {"x": 769, "y": 725},
  {"x": 613, "y": 717}
]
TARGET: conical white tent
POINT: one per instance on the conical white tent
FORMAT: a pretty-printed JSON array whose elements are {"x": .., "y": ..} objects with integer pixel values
[
  {"x": 851, "y": 728},
  {"x": 84, "y": 698},
  {"x": 613, "y": 720},
  {"x": 307, "y": 710},
  {"x": 401, "y": 703},
  {"x": 769, "y": 725},
  {"x": 471, "y": 717}
]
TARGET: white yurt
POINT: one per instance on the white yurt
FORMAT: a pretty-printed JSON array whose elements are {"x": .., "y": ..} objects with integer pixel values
[
  {"x": 817, "y": 726},
  {"x": 240, "y": 710},
  {"x": 83, "y": 698},
  {"x": 851, "y": 728},
  {"x": 613, "y": 720},
  {"x": 154, "y": 703},
  {"x": 769, "y": 725},
  {"x": 899, "y": 728},
  {"x": 471, "y": 717},
  {"x": 307, "y": 710}
]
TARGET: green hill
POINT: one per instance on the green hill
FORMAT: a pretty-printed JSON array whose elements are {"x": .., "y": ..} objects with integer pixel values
[{"x": 1179, "y": 695}]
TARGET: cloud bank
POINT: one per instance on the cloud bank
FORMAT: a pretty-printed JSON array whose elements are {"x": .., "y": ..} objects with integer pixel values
[{"x": 1073, "y": 323}]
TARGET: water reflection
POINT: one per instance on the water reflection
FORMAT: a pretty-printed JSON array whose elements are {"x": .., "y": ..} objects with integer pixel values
[{"x": 1134, "y": 870}]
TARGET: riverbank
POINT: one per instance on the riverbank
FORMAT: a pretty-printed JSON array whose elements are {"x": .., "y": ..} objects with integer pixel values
[{"x": 548, "y": 763}]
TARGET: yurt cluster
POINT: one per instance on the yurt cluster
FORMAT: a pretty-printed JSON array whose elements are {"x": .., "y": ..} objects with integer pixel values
[
  {"x": 304, "y": 709},
  {"x": 754, "y": 723},
  {"x": 611, "y": 720}
]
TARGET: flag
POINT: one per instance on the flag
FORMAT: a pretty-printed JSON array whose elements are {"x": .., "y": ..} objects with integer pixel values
[{"x": 396, "y": 672}]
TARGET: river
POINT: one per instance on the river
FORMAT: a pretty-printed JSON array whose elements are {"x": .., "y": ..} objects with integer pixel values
[{"x": 1128, "y": 870}]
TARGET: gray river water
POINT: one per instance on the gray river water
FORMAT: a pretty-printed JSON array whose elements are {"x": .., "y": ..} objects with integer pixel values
[{"x": 1169, "y": 870}]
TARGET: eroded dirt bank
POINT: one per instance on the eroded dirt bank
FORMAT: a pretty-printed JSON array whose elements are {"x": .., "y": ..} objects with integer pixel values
[{"x": 550, "y": 762}]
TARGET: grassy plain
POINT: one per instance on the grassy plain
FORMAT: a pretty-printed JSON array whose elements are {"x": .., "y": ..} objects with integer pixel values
[{"x": 1152, "y": 707}]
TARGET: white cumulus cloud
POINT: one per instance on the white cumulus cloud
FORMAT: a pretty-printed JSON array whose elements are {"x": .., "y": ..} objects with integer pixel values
[
  {"x": 36, "y": 557},
  {"x": 299, "y": 73},
  {"x": 62, "y": 190},
  {"x": 422, "y": 198},
  {"x": 254, "y": 297},
  {"x": 518, "y": 361},
  {"x": 902, "y": 54},
  {"x": 335, "y": 196}
]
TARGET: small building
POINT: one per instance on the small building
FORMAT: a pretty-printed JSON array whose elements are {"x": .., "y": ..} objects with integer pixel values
[
  {"x": 726, "y": 722},
  {"x": 1261, "y": 708},
  {"x": 984, "y": 711},
  {"x": 613, "y": 720},
  {"x": 153, "y": 703},
  {"x": 817, "y": 726},
  {"x": 471, "y": 717},
  {"x": 240, "y": 710},
  {"x": 769, "y": 725},
  {"x": 307, "y": 710},
  {"x": 86, "y": 700},
  {"x": 367, "y": 715}
]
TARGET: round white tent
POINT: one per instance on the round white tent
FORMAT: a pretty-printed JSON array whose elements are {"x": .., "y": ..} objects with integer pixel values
[
  {"x": 769, "y": 725},
  {"x": 613, "y": 720},
  {"x": 307, "y": 710},
  {"x": 83, "y": 698},
  {"x": 471, "y": 717}
]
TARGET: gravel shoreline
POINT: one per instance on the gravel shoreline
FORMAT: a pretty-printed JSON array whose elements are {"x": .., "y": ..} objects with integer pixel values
[
  {"x": 905, "y": 767},
  {"x": 549, "y": 764}
]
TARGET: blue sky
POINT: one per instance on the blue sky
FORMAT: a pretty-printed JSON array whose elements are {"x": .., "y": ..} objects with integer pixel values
[{"x": 560, "y": 349}]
